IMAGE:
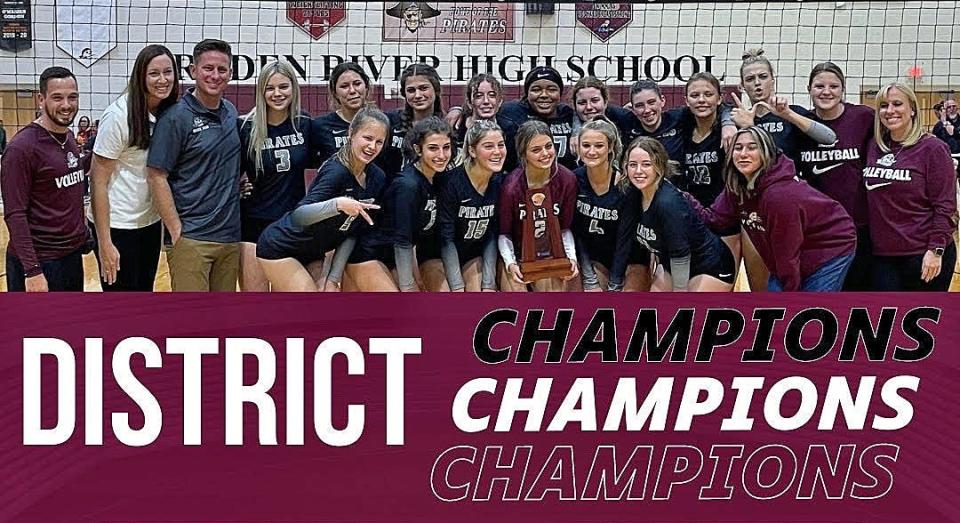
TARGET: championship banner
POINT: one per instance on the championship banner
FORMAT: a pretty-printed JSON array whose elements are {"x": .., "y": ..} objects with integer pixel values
[
  {"x": 604, "y": 19},
  {"x": 316, "y": 18},
  {"x": 448, "y": 21},
  {"x": 748, "y": 408},
  {"x": 16, "y": 30}
]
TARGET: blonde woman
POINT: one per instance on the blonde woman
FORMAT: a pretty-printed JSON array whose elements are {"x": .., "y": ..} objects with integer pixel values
[
  {"x": 911, "y": 198},
  {"x": 276, "y": 148}
]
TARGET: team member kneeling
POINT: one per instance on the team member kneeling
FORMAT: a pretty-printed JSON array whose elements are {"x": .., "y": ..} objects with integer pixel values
[
  {"x": 806, "y": 239},
  {"x": 347, "y": 186},
  {"x": 656, "y": 215}
]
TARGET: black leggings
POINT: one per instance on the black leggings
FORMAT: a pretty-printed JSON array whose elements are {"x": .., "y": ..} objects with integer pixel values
[
  {"x": 139, "y": 254},
  {"x": 902, "y": 273}
]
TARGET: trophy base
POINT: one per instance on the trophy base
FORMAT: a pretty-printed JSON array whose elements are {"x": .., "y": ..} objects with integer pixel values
[{"x": 545, "y": 269}]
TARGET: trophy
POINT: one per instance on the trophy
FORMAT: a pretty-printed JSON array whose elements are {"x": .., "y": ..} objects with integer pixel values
[{"x": 541, "y": 253}]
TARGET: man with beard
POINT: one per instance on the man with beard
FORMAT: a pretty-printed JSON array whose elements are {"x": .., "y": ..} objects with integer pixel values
[{"x": 43, "y": 188}]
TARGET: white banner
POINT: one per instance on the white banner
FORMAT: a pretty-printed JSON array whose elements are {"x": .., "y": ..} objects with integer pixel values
[{"x": 86, "y": 29}]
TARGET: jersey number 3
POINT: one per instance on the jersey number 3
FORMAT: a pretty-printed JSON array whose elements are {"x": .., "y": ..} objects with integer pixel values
[{"x": 283, "y": 160}]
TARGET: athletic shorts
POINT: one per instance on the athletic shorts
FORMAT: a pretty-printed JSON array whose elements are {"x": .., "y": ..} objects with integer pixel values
[{"x": 251, "y": 228}]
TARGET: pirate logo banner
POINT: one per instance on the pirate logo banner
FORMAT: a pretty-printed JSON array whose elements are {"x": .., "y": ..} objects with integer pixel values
[
  {"x": 447, "y": 21},
  {"x": 86, "y": 29}
]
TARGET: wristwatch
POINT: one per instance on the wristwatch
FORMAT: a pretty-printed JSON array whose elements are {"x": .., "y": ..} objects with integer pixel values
[{"x": 938, "y": 252}]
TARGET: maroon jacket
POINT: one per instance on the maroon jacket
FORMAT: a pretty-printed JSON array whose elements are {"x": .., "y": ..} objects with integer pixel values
[
  {"x": 795, "y": 228},
  {"x": 42, "y": 186},
  {"x": 911, "y": 196},
  {"x": 563, "y": 194}
]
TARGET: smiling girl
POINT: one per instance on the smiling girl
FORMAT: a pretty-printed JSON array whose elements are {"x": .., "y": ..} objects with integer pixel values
[
  {"x": 337, "y": 206},
  {"x": 805, "y": 238},
  {"x": 656, "y": 215},
  {"x": 538, "y": 170},
  {"x": 600, "y": 209},
  {"x": 420, "y": 87},
  {"x": 837, "y": 169},
  {"x": 349, "y": 88},
  {"x": 467, "y": 201},
  {"x": 276, "y": 146}
]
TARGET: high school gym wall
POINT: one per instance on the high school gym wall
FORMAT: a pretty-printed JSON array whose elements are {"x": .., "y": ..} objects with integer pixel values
[{"x": 874, "y": 42}]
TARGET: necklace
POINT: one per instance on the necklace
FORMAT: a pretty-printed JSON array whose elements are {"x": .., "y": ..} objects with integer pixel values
[{"x": 63, "y": 144}]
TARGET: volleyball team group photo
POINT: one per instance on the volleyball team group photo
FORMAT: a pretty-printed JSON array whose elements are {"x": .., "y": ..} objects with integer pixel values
[{"x": 559, "y": 181}]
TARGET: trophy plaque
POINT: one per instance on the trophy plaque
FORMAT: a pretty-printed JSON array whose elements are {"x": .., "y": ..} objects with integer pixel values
[{"x": 541, "y": 253}]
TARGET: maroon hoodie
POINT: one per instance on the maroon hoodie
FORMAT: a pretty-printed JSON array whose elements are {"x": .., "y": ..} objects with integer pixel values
[
  {"x": 795, "y": 227},
  {"x": 912, "y": 197}
]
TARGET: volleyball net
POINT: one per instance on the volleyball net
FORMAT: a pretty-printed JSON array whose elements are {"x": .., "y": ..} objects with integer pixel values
[{"x": 874, "y": 42}]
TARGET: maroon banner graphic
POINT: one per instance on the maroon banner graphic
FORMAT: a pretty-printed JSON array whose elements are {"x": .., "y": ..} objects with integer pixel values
[
  {"x": 604, "y": 19},
  {"x": 316, "y": 18},
  {"x": 588, "y": 408}
]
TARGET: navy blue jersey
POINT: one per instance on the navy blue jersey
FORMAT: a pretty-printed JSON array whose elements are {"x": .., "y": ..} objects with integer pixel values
[
  {"x": 669, "y": 228},
  {"x": 466, "y": 217},
  {"x": 595, "y": 222},
  {"x": 625, "y": 121},
  {"x": 564, "y": 122},
  {"x": 409, "y": 215},
  {"x": 701, "y": 171},
  {"x": 670, "y": 133},
  {"x": 787, "y": 137},
  {"x": 332, "y": 133},
  {"x": 391, "y": 158},
  {"x": 287, "y": 152},
  {"x": 284, "y": 239}
]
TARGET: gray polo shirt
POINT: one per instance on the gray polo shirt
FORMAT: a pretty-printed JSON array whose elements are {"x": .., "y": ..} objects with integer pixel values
[{"x": 199, "y": 149}]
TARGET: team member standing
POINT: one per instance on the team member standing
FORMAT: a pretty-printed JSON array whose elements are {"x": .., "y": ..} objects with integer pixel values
[
  {"x": 911, "y": 198},
  {"x": 43, "y": 188},
  {"x": 347, "y": 187},
  {"x": 542, "y": 90},
  {"x": 538, "y": 169},
  {"x": 277, "y": 146},
  {"x": 193, "y": 170},
  {"x": 656, "y": 215},
  {"x": 837, "y": 169},
  {"x": 483, "y": 97},
  {"x": 805, "y": 238},
  {"x": 420, "y": 85},
  {"x": 785, "y": 123},
  {"x": 703, "y": 154},
  {"x": 599, "y": 210},
  {"x": 647, "y": 103},
  {"x": 349, "y": 90},
  {"x": 467, "y": 203},
  {"x": 591, "y": 99},
  {"x": 407, "y": 240},
  {"x": 126, "y": 222}
]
